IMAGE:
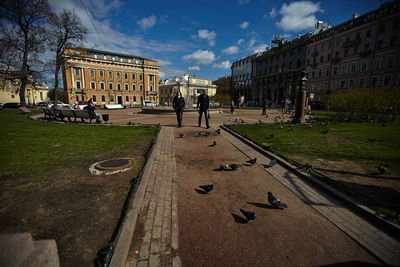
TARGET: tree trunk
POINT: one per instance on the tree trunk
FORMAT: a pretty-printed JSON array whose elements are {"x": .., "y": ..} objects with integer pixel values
[
  {"x": 24, "y": 71},
  {"x": 56, "y": 82}
]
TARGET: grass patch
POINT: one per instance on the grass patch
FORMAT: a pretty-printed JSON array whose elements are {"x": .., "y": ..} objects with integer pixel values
[{"x": 32, "y": 147}]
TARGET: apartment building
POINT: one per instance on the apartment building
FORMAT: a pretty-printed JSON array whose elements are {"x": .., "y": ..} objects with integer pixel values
[
  {"x": 241, "y": 79},
  {"x": 363, "y": 52},
  {"x": 109, "y": 78}
]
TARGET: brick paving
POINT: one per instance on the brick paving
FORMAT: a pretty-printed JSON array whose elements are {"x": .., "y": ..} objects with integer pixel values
[
  {"x": 370, "y": 237},
  {"x": 159, "y": 211}
]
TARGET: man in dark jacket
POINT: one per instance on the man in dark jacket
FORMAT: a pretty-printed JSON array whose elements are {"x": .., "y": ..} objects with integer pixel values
[
  {"x": 178, "y": 103},
  {"x": 203, "y": 103}
]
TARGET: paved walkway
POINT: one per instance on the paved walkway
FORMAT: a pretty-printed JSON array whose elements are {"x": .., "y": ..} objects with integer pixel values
[
  {"x": 156, "y": 235},
  {"x": 155, "y": 241}
]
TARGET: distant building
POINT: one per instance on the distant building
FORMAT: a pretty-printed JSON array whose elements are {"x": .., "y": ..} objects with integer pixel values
[
  {"x": 362, "y": 52},
  {"x": 34, "y": 92},
  {"x": 223, "y": 85},
  {"x": 108, "y": 77},
  {"x": 190, "y": 87},
  {"x": 241, "y": 83}
]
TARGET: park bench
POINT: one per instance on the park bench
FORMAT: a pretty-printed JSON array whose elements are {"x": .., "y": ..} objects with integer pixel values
[
  {"x": 65, "y": 112},
  {"x": 85, "y": 114},
  {"x": 50, "y": 113}
]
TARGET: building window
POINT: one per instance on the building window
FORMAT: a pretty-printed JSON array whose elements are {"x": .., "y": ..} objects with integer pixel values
[
  {"x": 387, "y": 80},
  {"x": 329, "y": 57},
  {"x": 313, "y": 74},
  {"x": 134, "y": 98},
  {"x": 126, "y": 86},
  {"x": 396, "y": 24},
  {"x": 346, "y": 52},
  {"x": 379, "y": 44},
  {"x": 118, "y": 86},
  {"x": 366, "y": 47},
  {"x": 382, "y": 28},
  {"x": 374, "y": 81},
  {"x": 110, "y": 74},
  {"x": 151, "y": 87},
  {"x": 76, "y": 71},
  {"x": 151, "y": 77},
  {"x": 110, "y": 86},
  {"x": 133, "y": 76},
  {"x": 377, "y": 63},
  {"x": 338, "y": 42},
  {"x": 126, "y": 76},
  {"x": 133, "y": 87},
  {"x": 92, "y": 85},
  {"x": 351, "y": 83},
  {"x": 101, "y": 73},
  {"x": 94, "y": 98},
  {"x": 320, "y": 73},
  {"x": 356, "y": 49},
  {"x": 78, "y": 84},
  {"x": 353, "y": 67},
  {"x": 127, "y": 99},
  {"x": 344, "y": 68},
  {"x": 364, "y": 65},
  {"x": 322, "y": 47},
  {"x": 77, "y": 98},
  {"x": 342, "y": 84},
  {"x": 101, "y": 85},
  {"x": 118, "y": 75},
  {"x": 337, "y": 54},
  {"x": 140, "y": 76},
  {"x": 112, "y": 98},
  {"x": 393, "y": 40},
  {"x": 389, "y": 62},
  {"x": 91, "y": 73},
  {"x": 327, "y": 72},
  {"x": 41, "y": 96},
  {"x": 361, "y": 83},
  {"x": 141, "y": 87},
  {"x": 103, "y": 98},
  {"x": 368, "y": 33},
  {"x": 321, "y": 59}
]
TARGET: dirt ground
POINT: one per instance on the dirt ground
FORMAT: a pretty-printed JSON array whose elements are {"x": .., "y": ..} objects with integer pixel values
[
  {"x": 213, "y": 232},
  {"x": 79, "y": 210}
]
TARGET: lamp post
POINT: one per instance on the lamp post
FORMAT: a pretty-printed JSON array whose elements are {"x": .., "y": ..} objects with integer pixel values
[{"x": 301, "y": 100}]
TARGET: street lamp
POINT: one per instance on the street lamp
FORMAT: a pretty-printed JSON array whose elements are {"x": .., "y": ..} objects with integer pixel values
[{"x": 301, "y": 100}]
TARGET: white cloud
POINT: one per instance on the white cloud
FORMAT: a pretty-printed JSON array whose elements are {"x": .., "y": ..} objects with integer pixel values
[
  {"x": 200, "y": 57},
  {"x": 162, "y": 62},
  {"x": 272, "y": 13},
  {"x": 207, "y": 35},
  {"x": 240, "y": 41},
  {"x": 242, "y": 2},
  {"x": 223, "y": 65},
  {"x": 194, "y": 68},
  {"x": 298, "y": 16},
  {"x": 259, "y": 48},
  {"x": 244, "y": 25},
  {"x": 252, "y": 42},
  {"x": 230, "y": 50},
  {"x": 147, "y": 23}
]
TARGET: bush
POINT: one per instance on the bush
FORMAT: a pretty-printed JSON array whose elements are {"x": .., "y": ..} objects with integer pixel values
[{"x": 371, "y": 104}]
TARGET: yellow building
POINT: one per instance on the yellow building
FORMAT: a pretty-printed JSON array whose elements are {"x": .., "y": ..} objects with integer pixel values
[
  {"x": 34, "y": 92},
  {"x": 109, "y": 78},
  {"x": 190, "y": 87}
]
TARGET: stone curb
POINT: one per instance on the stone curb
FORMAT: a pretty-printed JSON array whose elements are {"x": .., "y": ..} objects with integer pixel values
[
  {"x": 124, "y": 242},
  {"x": 392, "y": 229}
]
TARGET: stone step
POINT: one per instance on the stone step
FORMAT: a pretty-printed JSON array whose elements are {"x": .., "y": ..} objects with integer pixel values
[
  {"x": 45, "y": 255},
  {"x": 15, "y": 248}
]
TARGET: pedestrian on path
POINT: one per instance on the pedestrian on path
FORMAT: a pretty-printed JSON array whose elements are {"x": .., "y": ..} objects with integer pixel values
[
  {"x": 178, "y": 103},
  {"x": 264, "y": 106},
  {"x": 203, "y": 103},
  {"x": 232, "y": 106}
]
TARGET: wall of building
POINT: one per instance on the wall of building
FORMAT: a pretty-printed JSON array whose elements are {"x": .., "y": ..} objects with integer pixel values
[{"x": 9, "y": 92}]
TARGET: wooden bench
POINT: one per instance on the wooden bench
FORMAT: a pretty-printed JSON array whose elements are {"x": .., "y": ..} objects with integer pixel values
[
  {"x": 85, "y": 114},
  {"x": 50, "y": 113},
  {"x": 66, "y": 113}
]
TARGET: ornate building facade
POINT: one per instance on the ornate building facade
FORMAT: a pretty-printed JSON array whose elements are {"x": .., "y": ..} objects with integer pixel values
[
  {"x": 363, "y": 52},
  {"x": 109, "y": 78}
]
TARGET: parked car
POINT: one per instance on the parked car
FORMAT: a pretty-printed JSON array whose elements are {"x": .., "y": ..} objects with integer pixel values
[
  {"x": 1, "y": 105},
  {"x": 41, "y": 104},
  {"x": 11, "y": 105},
  {"x": 80, "y": 105},
  {"x": 148, "y": 103}
]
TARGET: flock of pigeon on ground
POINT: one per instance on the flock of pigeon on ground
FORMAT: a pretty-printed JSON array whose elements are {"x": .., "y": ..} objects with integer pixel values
[{"x": 249, "y": 215}]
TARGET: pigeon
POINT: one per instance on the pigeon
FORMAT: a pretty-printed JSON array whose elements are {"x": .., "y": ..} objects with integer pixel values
[
  {"x": 271, "y": 135},
  {"x": 310, "y": 126},
  {"x": 250, "y": 216},
  {"x": 371, "y": 140},
  {"x": 281, "y": 127},
  {"x": 260, "y": 121},
  {"x": 242, "y": 121},
  {"x": 218, "y": 131},
  {"x": 275, "y": 201},
  {"x": 291, "y": 129},
  {"x": 130, "y": 123},
  {"x": 271, "y": 163},
  {"x": 214, "y": 143},
  {"x": 234, "y": 166},
  {"x": 207, "y": 188},
  {"x": 223, "y": 167},
  {"x": 383, "y": 169},
  {"x": 325, "y": 131},
  {"x": 181, "y": 135},
  {"x": 252, "y": 161},
  {"x": 291, "y": 125},
  {"x": 266, "y": 116},
  {"x": 323, "y": 124}
]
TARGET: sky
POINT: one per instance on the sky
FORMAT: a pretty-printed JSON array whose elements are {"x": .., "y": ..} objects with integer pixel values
[{"x": 201, "y": 37}]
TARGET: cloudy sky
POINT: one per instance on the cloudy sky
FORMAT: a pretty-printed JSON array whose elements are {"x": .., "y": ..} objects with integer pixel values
[{"x": 201, "y": 37}]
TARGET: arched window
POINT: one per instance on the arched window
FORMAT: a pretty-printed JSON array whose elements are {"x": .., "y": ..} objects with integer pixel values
[
  {"x": 94, "y": 98},
  {"x": 134, "y": 98},
  {"x": 103, "y": 98},
  {"x": 127, "y": 98}
]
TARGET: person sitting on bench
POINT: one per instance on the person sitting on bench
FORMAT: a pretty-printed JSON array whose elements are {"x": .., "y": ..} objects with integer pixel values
[{"x": 91, "y": 107}]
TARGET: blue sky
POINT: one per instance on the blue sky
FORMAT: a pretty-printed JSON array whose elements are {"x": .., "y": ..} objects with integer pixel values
[{"x": 202, "y": 37}]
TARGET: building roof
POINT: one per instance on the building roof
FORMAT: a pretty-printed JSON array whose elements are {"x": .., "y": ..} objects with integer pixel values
[{"x": 109, "y": 53}]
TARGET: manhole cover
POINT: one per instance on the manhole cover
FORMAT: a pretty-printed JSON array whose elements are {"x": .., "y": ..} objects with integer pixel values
[{"x": 113, "y": 164}]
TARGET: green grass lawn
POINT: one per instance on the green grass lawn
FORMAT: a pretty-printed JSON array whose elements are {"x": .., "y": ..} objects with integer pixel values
[
  {"x": 344, "y": 141},
  {"x": 32, "y": 147}
]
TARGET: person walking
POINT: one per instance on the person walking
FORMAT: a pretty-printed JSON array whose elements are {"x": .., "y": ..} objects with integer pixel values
[
  {"x": 203, "y": 103},
  {"x": 178, "y": 103},
  {"x": 232, "y": 106},
  {"x": 264, "y": 106}
]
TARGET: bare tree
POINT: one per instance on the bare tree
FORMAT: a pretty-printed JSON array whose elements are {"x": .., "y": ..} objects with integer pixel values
[
  {"x": 22, "y": 39},
  {"x": 66, "y": 31}
]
